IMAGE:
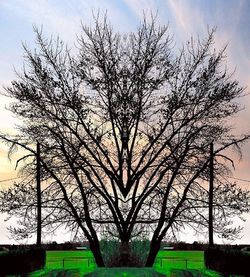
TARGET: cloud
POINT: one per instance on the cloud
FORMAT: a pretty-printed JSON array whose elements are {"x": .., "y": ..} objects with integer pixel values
[
  {"x": 148, "y": 8},
  {"x": 142, "y": 6},
  {"x": 64, "y": 17},
  {"x": 188, "y": 18},
  {"x": 44, "y": 12}
]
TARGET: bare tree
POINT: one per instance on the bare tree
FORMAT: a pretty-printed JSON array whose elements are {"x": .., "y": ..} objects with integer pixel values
[{"x": 124, "y": 128}]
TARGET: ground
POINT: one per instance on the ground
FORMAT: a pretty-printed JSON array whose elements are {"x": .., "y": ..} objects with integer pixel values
[{"x": 81, "y": 262}]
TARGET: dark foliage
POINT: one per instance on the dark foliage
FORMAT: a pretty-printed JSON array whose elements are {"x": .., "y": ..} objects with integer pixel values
[
  {"x": 68, "y": 245},
  {"x": 52, "y": 246},
  {"x": 116, "y": 254},
  {"x": 22, "y": 261},
  {"x": 228, "y": 261},
  {"x": 188, "y": 246}
]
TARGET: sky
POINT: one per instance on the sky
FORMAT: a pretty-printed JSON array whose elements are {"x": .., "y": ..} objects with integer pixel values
[{"x": 186, "y": 18}]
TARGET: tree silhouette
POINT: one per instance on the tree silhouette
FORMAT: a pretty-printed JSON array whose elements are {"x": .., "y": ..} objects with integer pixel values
[
  {"x": 211, "y": 191},
  {"x": 124, "y": 126},
  {"x": 38, "y": 191}
]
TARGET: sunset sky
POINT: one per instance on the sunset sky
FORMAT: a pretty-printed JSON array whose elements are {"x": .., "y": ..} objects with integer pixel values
[{"x": 185, "y": 18}]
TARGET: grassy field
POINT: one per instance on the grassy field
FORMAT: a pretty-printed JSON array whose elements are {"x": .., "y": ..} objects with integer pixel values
[
  {"x": 180, "y": 260},
  {"x": 79, "y": 263},
  {"x": 173, "y": 263}
]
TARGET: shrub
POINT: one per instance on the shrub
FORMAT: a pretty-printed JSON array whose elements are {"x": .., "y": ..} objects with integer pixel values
[
  {"x": 132, "y": 255},
  {"x": 198, "y": 246},
  {"x": 181, "y": 245},
  {"x": 3, "y": 248},
  {"x": 22, "y": 261},
  {"x": 110, "y": 251},
  {"x": 139, "y": 250},
  {"x": 68, "y": 245},
  {"x": 246, "y": 249},
  {"x": 52, "y": 245},
  {"x": 227, "y": 261}
]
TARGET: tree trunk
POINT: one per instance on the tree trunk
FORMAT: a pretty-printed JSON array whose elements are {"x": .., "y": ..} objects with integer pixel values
[
  {"x": 154, "y": 249},
  {"x": 38, "y": 190},
  {"x": 125, "y": 254},
  {"x": 95, "y": 248},
  {"x": 211, "y": 188}
]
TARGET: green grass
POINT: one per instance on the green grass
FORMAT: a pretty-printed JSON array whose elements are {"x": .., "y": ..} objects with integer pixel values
[
  {"x": 77, "y": 263},
  {"x": 180, "y": 260},
  {"x": 182, "y": 263},
  {"x": 170, "y": 263}
]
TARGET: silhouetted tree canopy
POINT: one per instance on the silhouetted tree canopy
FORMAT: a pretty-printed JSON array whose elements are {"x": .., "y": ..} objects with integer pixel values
[{"x": 124, "y": 125}]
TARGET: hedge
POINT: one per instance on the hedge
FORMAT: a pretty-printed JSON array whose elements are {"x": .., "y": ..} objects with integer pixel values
[
  {"x": 135, "y": 256},
  {"x": 22, "y": 261},
  {"x": 227, "y": 261}
]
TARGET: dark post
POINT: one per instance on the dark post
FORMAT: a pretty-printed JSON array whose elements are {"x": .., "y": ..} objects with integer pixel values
[
  {"x": 211, "y": 188},
  {"x": 38, "y": 182}
]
